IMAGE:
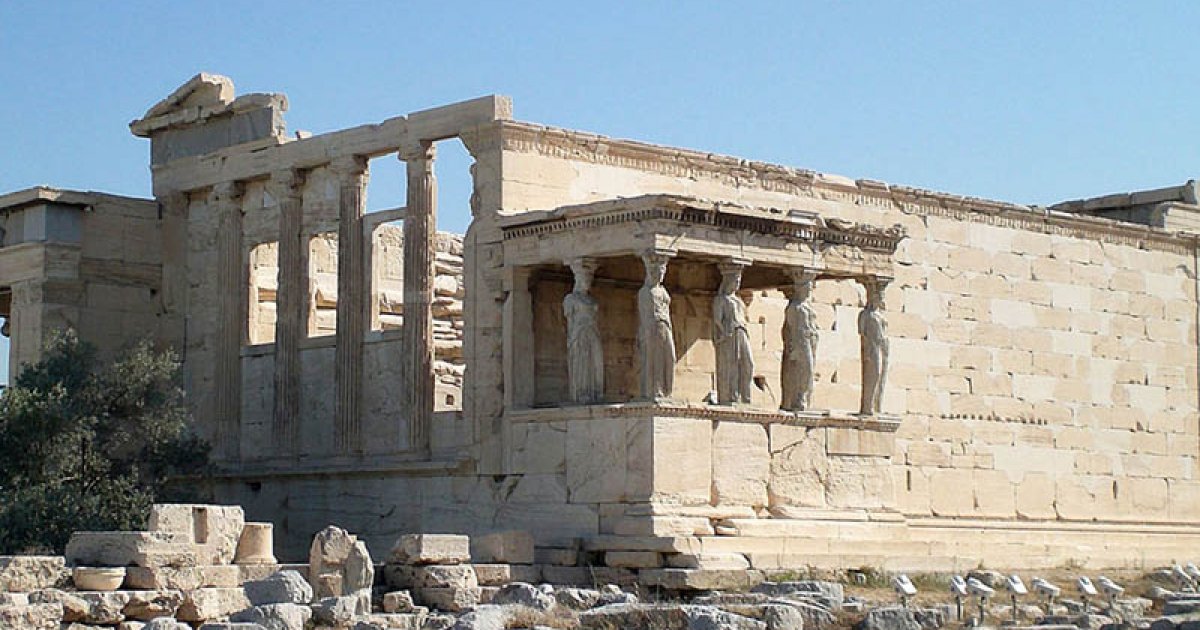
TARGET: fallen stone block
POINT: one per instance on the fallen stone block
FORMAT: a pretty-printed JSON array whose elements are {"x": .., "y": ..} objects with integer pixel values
[
  {"x": 339, "y": 611},
  {"x": 283, "y": 616},
  {"x": 164, "y": 623},
  {"x": 830, "y": 594},
  {"x": 577, "y": 598},
  {"x": 700, "y": 579},
  {"x": 31, "y": 616},
  {"x": 95, "y": 607},
  {"x": 214, "y": 529},
  {"x": 420, "y": 549},
  {"x": 393, "y": 621},
  {"x": 204, "y": 604},
  {"x": 24, "y": 574},
  {"x": 513, "y": 547},
  {"x": 148, "y": 605},
  {"x": 890, "y": 618},
  {"x": 451, "y": 576},
  {"x": 501, "y": 574},
  {"x": 665, "y": 617},
  {"x": 220, "y": 626},
  {"x": 521, "y": 594},
  {"x": 142, "y": 549},
  {"x": 131, "y": 625},
  {"x": 1181, "y": 607},
  {"x": 398, "y": 602},
  {"x": 283, "y": 587},
  {"x": 14, "y": 599},
  {"x": 449, "y": 599},
  {"x": 339, "y": 563}
]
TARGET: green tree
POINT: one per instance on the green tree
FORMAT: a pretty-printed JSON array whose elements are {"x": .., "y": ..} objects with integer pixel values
[{"x": 90, "y": 445}]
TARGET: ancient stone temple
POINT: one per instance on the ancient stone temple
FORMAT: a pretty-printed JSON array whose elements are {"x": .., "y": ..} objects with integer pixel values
[{"x": 707, "y": 361}]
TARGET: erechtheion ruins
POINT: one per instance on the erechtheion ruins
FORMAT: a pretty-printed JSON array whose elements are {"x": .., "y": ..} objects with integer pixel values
[{"x": 637, "y": 348}]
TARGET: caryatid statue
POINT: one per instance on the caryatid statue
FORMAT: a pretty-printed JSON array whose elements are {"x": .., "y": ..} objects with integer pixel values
[
  {"x": 872, "y": 332},
  {"x": 799, "y": 343},
  {"x": 731, "y": 337},
  {"x": 585, "y": 353},
  {"x": 656, "y": 337}
]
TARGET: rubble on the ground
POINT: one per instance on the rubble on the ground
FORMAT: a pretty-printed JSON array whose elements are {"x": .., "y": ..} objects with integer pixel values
[{"x": 168, "y": 579}]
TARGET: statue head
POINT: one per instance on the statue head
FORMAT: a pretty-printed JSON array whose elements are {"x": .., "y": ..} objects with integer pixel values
[
  {"x": 656, "y": 268},
  {"x": 585, "y": 271},
  {"x": 731, "y": 277}
]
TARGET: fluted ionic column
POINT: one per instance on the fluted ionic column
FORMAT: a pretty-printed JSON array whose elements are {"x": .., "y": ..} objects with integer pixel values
[
  {"x": 420, "y": 232},
  {"x": 290, "y": 308},
  {"x": 232, "y": 275},
  {"x": 352, "y": 184}
]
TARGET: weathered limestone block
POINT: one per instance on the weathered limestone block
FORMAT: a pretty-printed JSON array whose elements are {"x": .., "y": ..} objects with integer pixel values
[
  {"x": 23, "y": 574},
  {"x": 500, "y": 574},
  {"x": 87, "y": 606},
  {"x": 282, "y": 616},
  {"x": 205, "y": 604},
  {"x": 430, "y": 549},
  {"x": 182, "y": 578},
  {"x": 741, "y": 464},
  {"x": 450, "y": 599},
  {"x": 707, "y": 561},
  {"x": 448, "y": 576},
  {"x": 72, "y": 607},
  {"x": 672, "y": 616},
  {"x": 215, "y": 529},
  {"x": 633, "y": 559},
  {"x": 799, "y": 466},
  {"x": 147, "y": 605},
  {"x": 700, "y": 579},
  {"x": 284, "y": 587},
  {"x": 31, "y": 617},
  {"x": 513, "y": 547},
  {"x": 340, "y": 611},
  {"x": 143, "y": 549},
  {"x": 398, "y": 602}
]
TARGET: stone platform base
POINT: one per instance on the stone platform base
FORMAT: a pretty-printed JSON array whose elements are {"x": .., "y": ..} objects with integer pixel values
[{"x": 891, "y": 542}]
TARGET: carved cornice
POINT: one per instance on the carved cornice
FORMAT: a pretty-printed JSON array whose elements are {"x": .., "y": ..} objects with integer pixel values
[
  {"x": 699, "y": 212},
  {"x": 814, "y": 419},
  {"x": 523, "y": 137}
]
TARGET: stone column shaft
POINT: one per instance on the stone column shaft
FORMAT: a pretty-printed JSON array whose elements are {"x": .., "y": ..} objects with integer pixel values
[
  {"x": 352, "y": 179},
  {"x": 226, "y": 198},
  {"x": 291, "y": 310},
  {"x": 420, "y": 232}
]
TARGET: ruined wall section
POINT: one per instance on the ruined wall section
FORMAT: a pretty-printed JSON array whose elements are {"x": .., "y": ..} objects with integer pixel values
[{"x": 1044, "y": 367}]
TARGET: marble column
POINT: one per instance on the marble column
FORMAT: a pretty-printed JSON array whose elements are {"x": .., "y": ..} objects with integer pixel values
[
  {"x": 351, "y": 172},
  {"x": 656, "y": 336},
  {"x": 420, "y": 232},
  {"x": 173, "y": 298},
  {"x": 290, "y": 309},
  {"x": 800, "y": 337},
  {"x": 232, "y": 278},
  {"x": 872, "y": 332}
]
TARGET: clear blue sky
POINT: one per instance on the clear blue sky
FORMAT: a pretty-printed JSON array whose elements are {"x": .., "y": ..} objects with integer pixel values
[{"x": 1032, "y": 102}]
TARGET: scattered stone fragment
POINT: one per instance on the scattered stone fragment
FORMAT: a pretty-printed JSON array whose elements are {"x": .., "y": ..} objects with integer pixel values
[
  {"x": 417, "y": 549},
  {"x": 398, "y": 602},
  {"x": 24, "y": 574},
  {"x": 890, "y": 618},
  {"x": 521, "y": 594},
  {"x": 283, "y": 616},
  {"x": 282, "y": 587},
  {"x": 148, "y": 605},
  {"x": 205, "y": 604},
  {"x": 666, "y": 617}
]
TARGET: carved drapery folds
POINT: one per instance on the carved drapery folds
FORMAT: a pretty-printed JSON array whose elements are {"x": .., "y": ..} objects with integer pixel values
[
  {"x": 656, "y": 337},
  {"x": 800, "y": 335},
  {"x": 731, "y": 338},
  {"x": 585, "y": 352},
  {"x": 291, "y": 308},
  {"x": 420, "y": 230},
  {"x": 226, "y": 199},
  {"x": 872, "y": 332}
]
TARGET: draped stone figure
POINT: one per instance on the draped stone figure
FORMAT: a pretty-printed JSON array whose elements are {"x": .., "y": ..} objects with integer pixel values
[
  {"x": 872, "y": 331},
  {"x": 799, "y": 345},
  {"x": 735, "y": 362},
  {"x": 585, "y": 354},
  {"x": 656, "y": 338}
]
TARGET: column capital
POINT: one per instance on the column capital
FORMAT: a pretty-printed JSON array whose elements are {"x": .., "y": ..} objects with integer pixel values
[
  {"x": 803, "y": 275},
  {"x": 417, "y": 150},
  {"x": 226, "y": 192},
  {"x": 285, "y": 181},
  {"x": 658, "y": 254},
  {"x": 582, "y": 262},
  {"x": 732, "y": 265},
  {"x": 348, "y": 166}
]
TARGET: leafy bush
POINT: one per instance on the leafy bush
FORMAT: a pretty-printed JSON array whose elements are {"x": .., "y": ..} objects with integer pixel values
[{"x": 87, "y": 445}]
